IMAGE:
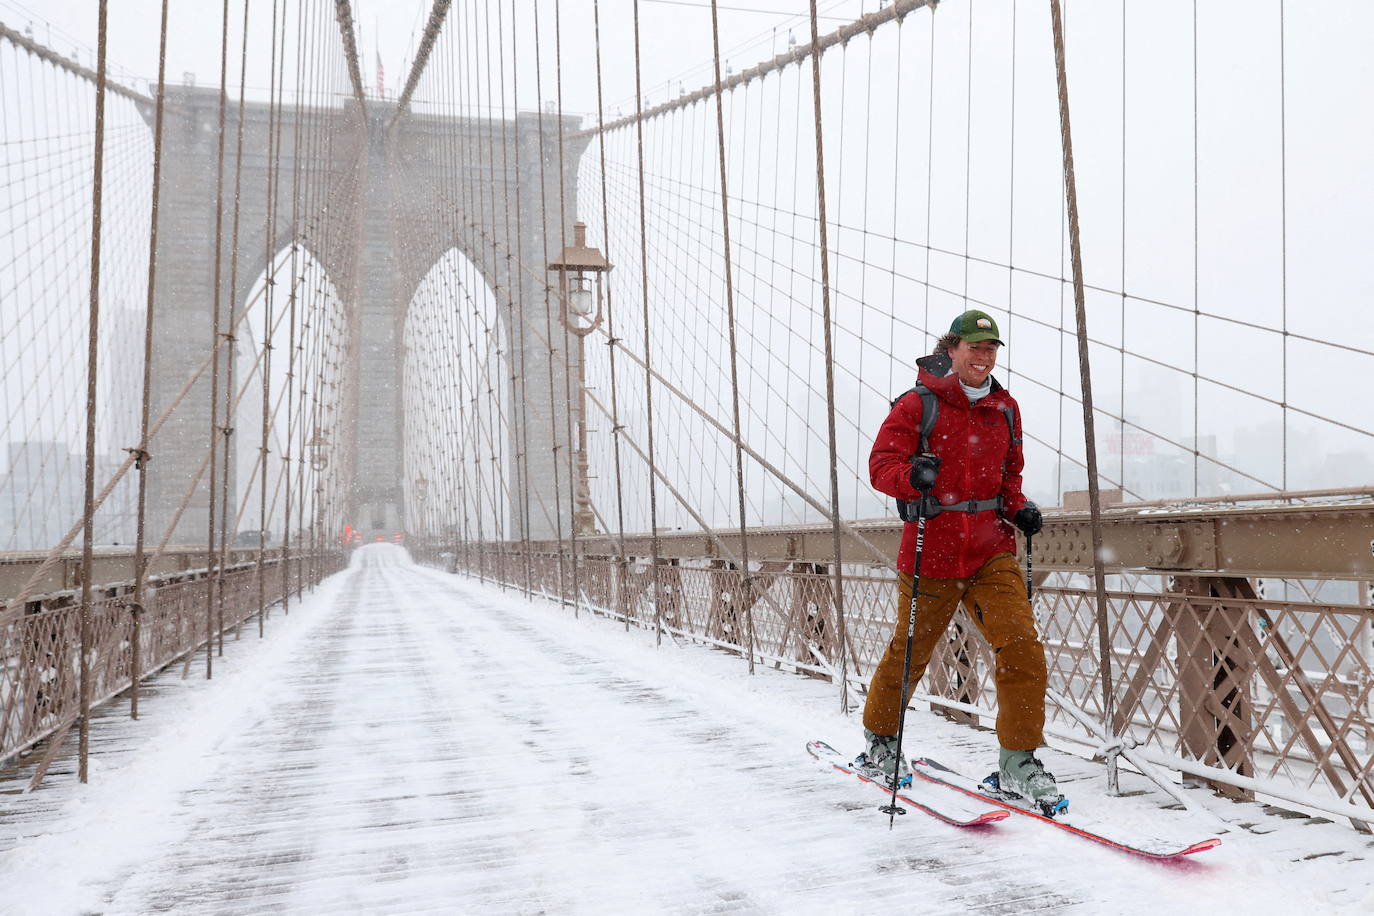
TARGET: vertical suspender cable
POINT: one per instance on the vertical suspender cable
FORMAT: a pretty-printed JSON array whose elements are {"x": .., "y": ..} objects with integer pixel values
[
  {"x": 92, "y": 352},
  {"x": 1121, "y": 412},
  {"x": 513, "y": 283},
  {"x": 227, "y": 427},
  {"x": 1011, "y": 195},
  {"x": 897, "y": 189},
  {"x": 548, "y": 317},
  {"x": 860, "y": 485},
  {"x": 968, "y": 149},
  {"x": 448, "y": 93},
  {"x": 767, "y": 197},
  {"x": 1283, "y": 233},
  {"x": 487, "y": 234},
  {"x": 502, "y": 489},
  {"x": 741, "y": 594},
  {"x": 269, "y": 244},
  {"x": 1085, "y": 376},
  {"x": 317, "y": 316},
  {"x": 302, "y": 367},
  {"x": 291, "y": 319},
  {"x": 648, "y": 353},
  {"x": 1197, "y": 319},
  {"x": 930, "y": 179},
  {"x": 140, "y": 563},
  {"x": 830, "y": 363},
  {"x": 621, "y": 560},
  {"x": 519, "y": 261},
  {"x": 472, "y": 227},
  {"x": 472, "y": 492},
  {"x": 314, "y": 321},
  {"x": 215, "y": 565},
  {"x": 575, "y": 479}
]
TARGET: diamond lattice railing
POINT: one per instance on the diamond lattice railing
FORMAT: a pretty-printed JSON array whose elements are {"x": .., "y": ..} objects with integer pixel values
[
  {"x": 40, "y": 659},
  {"x": 1204, "y": 669}
]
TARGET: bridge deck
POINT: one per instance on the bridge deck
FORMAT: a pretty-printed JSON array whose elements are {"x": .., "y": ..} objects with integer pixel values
[{"x": 410, "y": 741}]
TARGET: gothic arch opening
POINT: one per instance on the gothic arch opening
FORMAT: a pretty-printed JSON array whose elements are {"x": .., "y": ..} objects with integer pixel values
[
  {"x": 303, "y": 430},
  {"x": 458, "y": 466}
]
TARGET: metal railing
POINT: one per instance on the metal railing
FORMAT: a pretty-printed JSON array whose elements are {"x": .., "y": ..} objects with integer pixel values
[
  {"x": 1259, "y": 696},
  {"x": 40, "y": 652}
]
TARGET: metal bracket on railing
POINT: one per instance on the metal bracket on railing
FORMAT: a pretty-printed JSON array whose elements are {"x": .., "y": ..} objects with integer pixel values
[
  {"x": 1111, "y": 754},
  {"x": 1115, "y": 747}
]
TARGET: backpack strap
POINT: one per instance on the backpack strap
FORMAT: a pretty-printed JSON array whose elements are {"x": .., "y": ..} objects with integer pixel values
[
  {"x": 930, "y": 412},
  {"x": 1010, "y": 414}
]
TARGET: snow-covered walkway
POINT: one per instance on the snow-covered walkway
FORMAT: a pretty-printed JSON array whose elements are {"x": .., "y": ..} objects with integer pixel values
[{"x": 411, "y": 741}]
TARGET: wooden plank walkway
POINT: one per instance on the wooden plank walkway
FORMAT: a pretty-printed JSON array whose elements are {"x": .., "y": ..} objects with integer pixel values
[{"x": 413, "y": 742}]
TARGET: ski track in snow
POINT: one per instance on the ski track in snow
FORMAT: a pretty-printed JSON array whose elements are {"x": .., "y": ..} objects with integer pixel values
[{"x": 410, "y": 741}]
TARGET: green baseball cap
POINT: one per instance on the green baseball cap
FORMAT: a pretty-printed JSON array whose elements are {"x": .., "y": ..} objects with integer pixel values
[{"x": 973, "y": 326}]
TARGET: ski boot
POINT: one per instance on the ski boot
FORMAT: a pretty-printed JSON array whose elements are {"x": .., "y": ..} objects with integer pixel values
[
  {"x": 879, "y": 760},
  {"x": 1021, "y": 774}
]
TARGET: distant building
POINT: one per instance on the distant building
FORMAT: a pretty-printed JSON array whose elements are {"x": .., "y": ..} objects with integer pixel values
[{"x": 43, "y": 494}]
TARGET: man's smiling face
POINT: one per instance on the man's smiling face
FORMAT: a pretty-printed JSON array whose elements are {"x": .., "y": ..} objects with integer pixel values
[{"x": 973, "y": 362}]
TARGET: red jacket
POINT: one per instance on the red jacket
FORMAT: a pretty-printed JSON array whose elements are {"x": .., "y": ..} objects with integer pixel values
[{"x": 980, "y": 461}]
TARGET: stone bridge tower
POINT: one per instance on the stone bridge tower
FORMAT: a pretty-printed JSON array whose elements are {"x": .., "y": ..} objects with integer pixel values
[{"x": 384, "y": 183}]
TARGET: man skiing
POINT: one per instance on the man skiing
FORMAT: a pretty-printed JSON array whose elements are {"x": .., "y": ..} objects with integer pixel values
[{"x": 951, "y": 450}]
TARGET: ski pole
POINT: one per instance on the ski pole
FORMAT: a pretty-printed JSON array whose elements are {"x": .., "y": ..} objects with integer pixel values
[
  {"x": 1030, "y": 581},
  {"x": 925, "y": 482}
]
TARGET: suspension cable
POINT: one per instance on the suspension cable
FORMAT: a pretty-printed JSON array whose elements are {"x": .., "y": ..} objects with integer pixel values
[
  {"x": 648, "y": 352},
  {"x": 616, "y": 429},
  {"x": 733, "y": 346},
  {"x": 71, "y": 66},
  {"x": 864, "y": 24},
  {"x": 93, "y": 341},
  {"x": 140, "y": 565},
  {"x": 834, "y": 513},
  {"x": 347, "y": 30},
  {"x": 269, "y": 245},
  {"x": 215, "y": 564},
  {"x": 1085, "y": 377},
  {"x": 433, "y": 26}
]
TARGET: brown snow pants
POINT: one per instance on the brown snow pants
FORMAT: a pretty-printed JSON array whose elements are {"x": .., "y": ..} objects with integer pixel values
[{"x": 995, "y": 599}]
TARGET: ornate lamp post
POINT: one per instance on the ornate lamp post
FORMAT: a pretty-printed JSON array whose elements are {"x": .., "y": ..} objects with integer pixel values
[
  {"x": 580, "y": 292},
  {"x": 318, "y": 447},
  {"x": 422, "y": 494},
  {"x": 319, "y": 450}
]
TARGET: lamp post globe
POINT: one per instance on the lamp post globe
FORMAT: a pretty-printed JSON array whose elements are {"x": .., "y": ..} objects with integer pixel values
[{"x": 580, "y": 267}]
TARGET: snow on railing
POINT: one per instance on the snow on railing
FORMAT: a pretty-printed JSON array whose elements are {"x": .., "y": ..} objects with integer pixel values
[
  {"x": 39, "y": 654},
  {"x": 1259, "y": 697}
]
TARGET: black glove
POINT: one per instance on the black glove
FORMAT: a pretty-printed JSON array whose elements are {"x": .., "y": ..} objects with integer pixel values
[
  {"x": 924, "y": 469},
  {"x": 1029, "y": 520}
]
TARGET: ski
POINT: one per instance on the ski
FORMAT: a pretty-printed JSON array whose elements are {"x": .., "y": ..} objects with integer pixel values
[
  {"x": 957, "y": 815},
  {"x": 933, "y": 772}
]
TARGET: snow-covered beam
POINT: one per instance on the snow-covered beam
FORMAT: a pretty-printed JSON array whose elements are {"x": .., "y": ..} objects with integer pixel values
[{"x": 1332, "y": 541}]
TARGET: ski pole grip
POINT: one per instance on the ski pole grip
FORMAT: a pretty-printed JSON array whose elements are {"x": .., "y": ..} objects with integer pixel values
[{"x": 925, "y": 468}]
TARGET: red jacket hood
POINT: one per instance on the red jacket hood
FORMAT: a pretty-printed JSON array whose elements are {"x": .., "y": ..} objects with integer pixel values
[{"x": 934, "y": 372}]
